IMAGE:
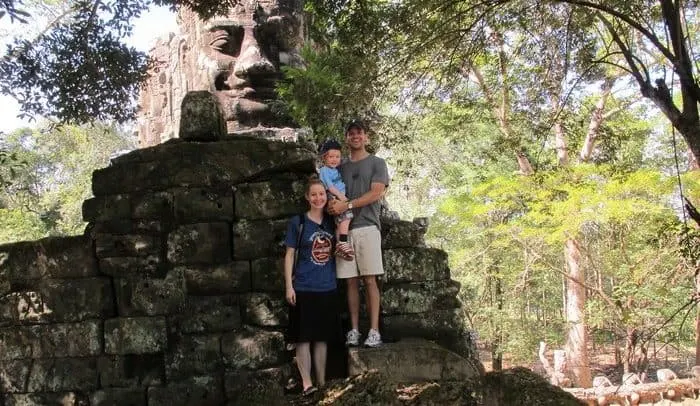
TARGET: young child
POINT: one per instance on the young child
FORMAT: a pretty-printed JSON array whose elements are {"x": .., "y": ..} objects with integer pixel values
[{"x": 330, "y": 176}]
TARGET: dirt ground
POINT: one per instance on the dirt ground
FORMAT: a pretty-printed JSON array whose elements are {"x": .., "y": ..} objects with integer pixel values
[{"x": 602, "y": 360}]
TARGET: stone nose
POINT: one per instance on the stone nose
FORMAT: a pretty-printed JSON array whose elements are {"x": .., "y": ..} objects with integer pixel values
[{"x": 252, "y": 60}]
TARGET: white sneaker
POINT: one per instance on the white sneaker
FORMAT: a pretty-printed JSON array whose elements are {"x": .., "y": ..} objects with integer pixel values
[
  {"x": 352, "y": 338},
  {"x": 374, "y": 339}
]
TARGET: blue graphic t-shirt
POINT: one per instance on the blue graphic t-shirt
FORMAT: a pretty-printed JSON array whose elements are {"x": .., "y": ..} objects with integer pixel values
[{"x": 315, "y": 270}]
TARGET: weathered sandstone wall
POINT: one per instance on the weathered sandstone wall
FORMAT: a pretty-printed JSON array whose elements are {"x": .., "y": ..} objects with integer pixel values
[{"x": 174, "y": 295}]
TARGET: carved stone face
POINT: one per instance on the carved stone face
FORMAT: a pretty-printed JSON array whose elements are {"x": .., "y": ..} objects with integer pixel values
[{"x": 239, "y": 58}]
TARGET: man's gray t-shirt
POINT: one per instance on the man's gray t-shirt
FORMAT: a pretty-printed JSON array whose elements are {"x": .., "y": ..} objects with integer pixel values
[{"x": 358, "y": 177}]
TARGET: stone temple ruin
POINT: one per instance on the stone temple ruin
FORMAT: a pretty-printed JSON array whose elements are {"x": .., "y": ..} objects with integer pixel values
[{"x": 174, "y": 294}]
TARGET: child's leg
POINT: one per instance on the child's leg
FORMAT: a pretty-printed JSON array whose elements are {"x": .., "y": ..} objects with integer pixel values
[
  {"x": 344, "y": 247},
  {"x": 343, "y": 227}
]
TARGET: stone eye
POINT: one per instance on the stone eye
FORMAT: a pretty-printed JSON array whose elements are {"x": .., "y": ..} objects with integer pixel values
[
  {"x": 219, "y": 41},
  {"x": 227, "y": 40}
]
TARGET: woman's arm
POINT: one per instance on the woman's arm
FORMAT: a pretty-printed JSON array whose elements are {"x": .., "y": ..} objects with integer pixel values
[{"x": 288, "y": 266}]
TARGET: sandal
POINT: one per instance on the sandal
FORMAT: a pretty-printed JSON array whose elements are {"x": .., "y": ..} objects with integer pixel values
[
  {"x": 344, "y": 250},
  {"x": 309, "y": 391}
]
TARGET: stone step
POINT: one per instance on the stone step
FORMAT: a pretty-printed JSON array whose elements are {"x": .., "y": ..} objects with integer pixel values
[{"x": 413, "y": 360}]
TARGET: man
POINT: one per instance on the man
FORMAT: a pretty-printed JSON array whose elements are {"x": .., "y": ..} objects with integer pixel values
[{"x": 366, "y": 178}]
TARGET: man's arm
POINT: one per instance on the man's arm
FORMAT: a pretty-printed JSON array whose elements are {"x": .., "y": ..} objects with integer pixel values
[{"x": 375, "y": 193}]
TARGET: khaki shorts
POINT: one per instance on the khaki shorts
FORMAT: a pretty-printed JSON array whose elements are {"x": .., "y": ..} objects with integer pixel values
[{"x": 367, "y": 243}]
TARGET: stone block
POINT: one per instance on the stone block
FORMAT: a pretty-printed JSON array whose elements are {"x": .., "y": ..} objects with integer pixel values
[
  {"x": 265, "y": 310},
  {"x": 14, "y": 375},
  {"x": 254, "y": 239},
  {"x": 53, "y": 257},
  {"x": 125, "y": 266},
  {"x": 133, "y": 177},
  {"x": 225, "y": 163},
  {"x": 5, "y": 285},
  {"x": 414, "y": 360},
  {"x": 201, "y": 117},
  {"x": 16, "y": 343},
  {"x": 119, "y": 397},
  {"x": 57, "y": 300},
  {"x": 257, "y": 388},
  {"x": 446, "y": 327},
  {"x": 122, "y": 227},
  {"x": 415, "y": 265},
  {"x": 135, "y": 335},
  {"x": 203, "y": 243},
  {"x": 142, "y": 295},
  {"x": 208, "y": 314},
  {"x": 67, "y": 340},
  {"x": 193, "y": 355},
  {"x": 128, "y": 245},
  {"x": 253, "y": 349},
  {"x": 57, "y": 398},
  {"x": 233, "y": 277},
  {"x": 63, "y": 374},
  {"x": 278, "y": 198},
  {"x": 152, "y": 206},
  {"x": 268, "y": 274},
  {"x": 105, "y": 208},
  {"x": 193, "y": 205},
  {"x": 196, "y": 390},
  {"x": 420, "y": 297},
  {"x": 402, "y": 234},
  {"x": 131, "y": 370},
  {"x": 51, "y": 340},
  {"x": 287, "y": 134}
]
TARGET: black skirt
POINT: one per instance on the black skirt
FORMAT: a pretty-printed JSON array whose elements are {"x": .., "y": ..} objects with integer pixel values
[{"x": 314, "y": 318}]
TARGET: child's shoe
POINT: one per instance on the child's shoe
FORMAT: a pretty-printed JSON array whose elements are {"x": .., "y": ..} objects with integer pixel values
[{"x": 344, "y": 250}]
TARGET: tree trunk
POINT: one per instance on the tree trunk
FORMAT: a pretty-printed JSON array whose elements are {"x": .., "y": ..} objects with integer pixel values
[
  {"x": 577, "y": 354},
  {"x": 697, "y": 335},
  {"x": 560, "y": 144},
  {"x": 497, "y": 343},
  {"x": 524, "y": 164},
  {"x": 697, "y": 322},
  {"x": 630, "y": 345},
  {"x": 596, "y": 122},
  {"x": 692, "y": 162}
]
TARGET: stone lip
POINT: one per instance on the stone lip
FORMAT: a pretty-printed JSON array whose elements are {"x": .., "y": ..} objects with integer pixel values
[
  {"x": 413, "y": 360},
  {"x": 216, "y": 165}
]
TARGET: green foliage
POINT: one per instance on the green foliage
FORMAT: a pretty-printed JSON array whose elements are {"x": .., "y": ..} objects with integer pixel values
[
  {"x": 46, "y": 194},
  {"x": 513, "y": 228},
  {"x": 324, "y": 93},
  {"x": 343, "y": 74},
  {"x": 10, "y": 164},
  {"x": 79, "y": 70}
]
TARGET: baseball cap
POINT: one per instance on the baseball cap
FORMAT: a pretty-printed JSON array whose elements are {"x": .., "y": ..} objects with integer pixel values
[
  {"x": 355, "y": 123},
  {"x": 329, "y": 145}
]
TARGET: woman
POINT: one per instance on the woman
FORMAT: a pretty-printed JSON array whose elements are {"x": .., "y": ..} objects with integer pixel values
[{"x": 309, "y": 276}]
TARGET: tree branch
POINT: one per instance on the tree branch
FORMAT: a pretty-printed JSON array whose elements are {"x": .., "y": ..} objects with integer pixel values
[
  {"x": 19, "y": 50},
  {"x": 627, "y": 19}
]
